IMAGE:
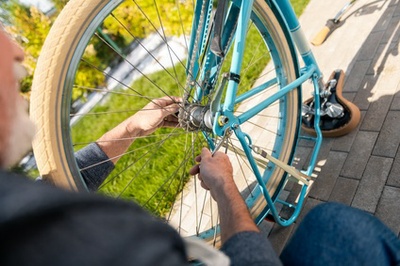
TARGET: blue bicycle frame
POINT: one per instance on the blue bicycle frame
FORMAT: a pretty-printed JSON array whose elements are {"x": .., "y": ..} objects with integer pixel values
[{"x": 237, "y": 20}]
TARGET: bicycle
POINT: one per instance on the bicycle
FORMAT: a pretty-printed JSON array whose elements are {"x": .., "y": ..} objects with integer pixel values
[{"x": 232, "y": 100}]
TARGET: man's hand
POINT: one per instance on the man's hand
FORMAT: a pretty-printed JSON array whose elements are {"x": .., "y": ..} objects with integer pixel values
[
  {"x": 157, "y": 113},
  {"x": 214, "y": 172},
  {"x": 216, "y": 175}
]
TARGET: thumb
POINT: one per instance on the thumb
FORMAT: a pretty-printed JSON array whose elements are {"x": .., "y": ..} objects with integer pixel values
[{"x": 205, "y": 153}]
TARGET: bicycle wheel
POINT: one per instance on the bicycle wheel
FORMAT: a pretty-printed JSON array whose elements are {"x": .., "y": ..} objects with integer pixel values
[{"x": 154, "y": 172}]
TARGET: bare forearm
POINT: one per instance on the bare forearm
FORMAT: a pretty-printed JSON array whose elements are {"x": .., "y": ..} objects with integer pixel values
[
  {"x": 115, "y": 142},
  {"x": 234, "y": 215}
]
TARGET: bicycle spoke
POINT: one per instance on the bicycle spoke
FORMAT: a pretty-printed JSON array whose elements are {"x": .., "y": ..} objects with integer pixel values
[
  {"x": 156, "y": 144},
  {"x": 127, "y": 86},
  {"x": 179, "y": 167},
  {"x": 154, "y": 58},
  {"x": 132, "y": 138},
  {"x": 240, "y": 158}
]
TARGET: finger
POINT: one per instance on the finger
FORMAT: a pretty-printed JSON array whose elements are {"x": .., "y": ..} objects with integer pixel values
[
  {"x": 219, "y": 153},
  {"x": 171, "y": 118},
  {"x": 170, "y": 121},
  {"x": 162, "y": 103},
  {"x": 195, "y": 170},
  {"x": 198, "y": 158},
  {"x": 205, "y": 153},
  {"x": 169, "y": 110},
  {"x": 172, "y": 108},
  {"x": 167, "y": 100},
  {"x": 169, "y": 124},
  {"x": 203, "y": 185}
]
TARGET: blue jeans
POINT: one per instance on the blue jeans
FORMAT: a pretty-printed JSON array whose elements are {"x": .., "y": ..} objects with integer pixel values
[{"x": 335, "y": 234}]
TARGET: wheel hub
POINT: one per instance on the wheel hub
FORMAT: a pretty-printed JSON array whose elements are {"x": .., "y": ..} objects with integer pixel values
[{"x": 195, "y": 117}]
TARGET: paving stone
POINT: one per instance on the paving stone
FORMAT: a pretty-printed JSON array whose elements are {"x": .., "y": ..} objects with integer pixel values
[
  {"x": 386, "y": 84},
  {"x": 370, "y": 46},
  {"x": 356, "y": 76},
  {"x": 295, "y": 189},
  {"x": 393, "y": 4},
  {"x": 326, "y": 146},
  {"x": 397, "y": 94},
  {"x": 394, "y": 177},
  {"x": 392, "y": 34},
  {"x": 388, "y": 208},
  {"x": 344, "y": 190},
  {"x": 301, "y": 161},
  {"x": 309, "y": 204},
  {"x": 345, "y": 142},
  {"x": 363, "y": 97},
  {"x": 323, "y": 186},
  {"x": 395, "y": 103},
  {"x": 384, "y": 23},
  {"x": 306, "y": 142},
  {"x": 396, "y": 12},
  {"x": 372, "y": 183},
  {"x": 350, "y": 96},
  {"x": 266, "y": 227},
  {"x": 377, "y": 63},
  {"x": 301, "y": 157},
  {"x": 324, "y": 151},
  {"x": 359, "y": 154},
  {"x": 376, "y": 113},
  {"x": 279, "y": 237},
  {"x": 389, "y": 137}
]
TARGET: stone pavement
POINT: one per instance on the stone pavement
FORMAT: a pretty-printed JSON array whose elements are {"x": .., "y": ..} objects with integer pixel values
[{"x": 361, "y": 169}]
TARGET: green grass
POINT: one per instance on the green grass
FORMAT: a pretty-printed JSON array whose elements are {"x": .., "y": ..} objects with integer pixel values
[
  {"x": 299, "y": 6},
  {"x": 141, "y": 173}
]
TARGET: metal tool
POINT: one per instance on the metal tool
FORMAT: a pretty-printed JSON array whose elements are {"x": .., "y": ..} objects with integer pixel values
[{"x": 331, "y": 25}]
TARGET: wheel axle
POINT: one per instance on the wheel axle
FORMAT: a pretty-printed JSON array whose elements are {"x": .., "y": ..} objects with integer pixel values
[{"x": 194, "y": 117}]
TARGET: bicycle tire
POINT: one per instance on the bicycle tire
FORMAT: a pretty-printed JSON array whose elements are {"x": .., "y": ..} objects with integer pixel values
[{"x": 52, "y": 88}]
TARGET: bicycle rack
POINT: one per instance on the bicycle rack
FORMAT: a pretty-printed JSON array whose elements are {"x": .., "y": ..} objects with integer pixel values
[
  {"x": 302, "y": 178},
  {"x": 310, "y": 71}
]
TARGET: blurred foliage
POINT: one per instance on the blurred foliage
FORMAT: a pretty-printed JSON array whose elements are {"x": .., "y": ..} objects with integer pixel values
[
  {"x": 135, "y": 18},
  {"x": 59, "y": 4},
  {"x": 29, "y": 26}
]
